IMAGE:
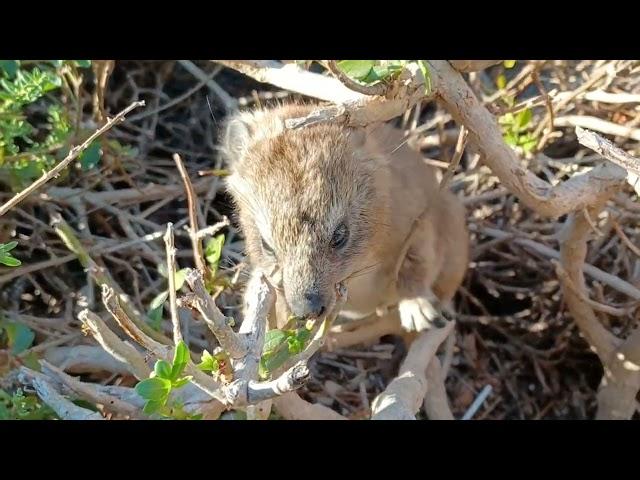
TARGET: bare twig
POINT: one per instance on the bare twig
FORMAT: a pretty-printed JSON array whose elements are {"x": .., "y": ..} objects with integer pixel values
[
  {"x": 196, "y": 243},
  {"x": 595, "y": 123},
  {"x": 171, "y": 273},
  {"x": 65, "y": 409},
  {"x": 455, "y": 161},
  {"x": 73, "y": 154},
  {"x": 259, "y": 299},
  {"x": 477, "y": 403},
  {"x": 91, "y": 393},
  {"x": 213, "y": 317},
  {"x": 87, "y": 359},
  {"x": 117, "y": 348},
  {"x": 228, "y": 101}
]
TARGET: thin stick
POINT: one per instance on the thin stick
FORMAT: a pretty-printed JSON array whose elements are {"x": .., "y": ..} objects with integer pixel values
[
  {"x": 171, "y": 272},
  {"x": 564, "y": 276},
  {"x": 607, "y": 149},
  {"x": 196, "y": 243},
  {"x": 457, "y": 156},
  {"x": 477, "y": 403},
  {"x": 218, "y": 323},
  {"x": 73, "y": 154}
]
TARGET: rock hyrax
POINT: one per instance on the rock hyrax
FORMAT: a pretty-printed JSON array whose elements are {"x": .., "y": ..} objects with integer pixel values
[{"x": 327, "y": 203}]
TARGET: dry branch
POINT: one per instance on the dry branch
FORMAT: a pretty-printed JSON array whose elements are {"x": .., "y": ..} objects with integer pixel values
[
  {"x": 404, "y": 395},
  {"x": 292, "y": 407},
  {"x": 196, "y": 240},
  {"x": 87, "y": 359},
  {"x": 49, "y": 394},
  {"x": 574, "y": 194},
  {"x": 448, "y": 85},
  {"x": 354, "y": 108},
  {"x": 219, "y": 325},
  {"x": 436, "y": 404},
  {"x": 473, "y": 65},
  {"x": 112, "y": 344},
  {"x": 171, "y": 274},
  {"x": 91, "y": 393},
  {"x": 621, "y": 381}
]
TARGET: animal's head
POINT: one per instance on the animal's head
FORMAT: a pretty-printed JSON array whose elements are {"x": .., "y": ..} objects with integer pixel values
[{"x": 309, "y": 201}]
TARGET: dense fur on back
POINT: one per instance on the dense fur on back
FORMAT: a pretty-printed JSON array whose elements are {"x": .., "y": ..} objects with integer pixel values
[{"x": 294, "y": 188}]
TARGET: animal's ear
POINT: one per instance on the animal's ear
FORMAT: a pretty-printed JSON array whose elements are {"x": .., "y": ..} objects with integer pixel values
[
  {"x": 360, "y": 135},
  {"x": 236, "y": 136},
  {"x": 244, "y": 129}
]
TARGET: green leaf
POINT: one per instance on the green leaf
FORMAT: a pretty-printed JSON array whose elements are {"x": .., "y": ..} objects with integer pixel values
[
  {"x": 529, "y": 145},
  {"x": 506, "y": 119},
  {"x": 424, "y": 68},
  {"x": 501, "y": 81},
  {"x": 91, "y": 156},
  {"x": 208, "y": 363},
  {"x": 523, "y": 118},
  {"x": 213, "y": 251},
  {"x": 20, "y": 337},
  {"x": 181, "y": 382},
  {"x": 357, "y": 69},
  {"x": 154, "y": 389},
  {"x": 155, "y": 317},
  {"x": 179, "y": 278},
  {"x": 510, "y": 139},
  {"x": 162, "y": 369},
  {"x": 32, "y": 361},
  {"x": 275, "y": 360},
  {"x": 272, "y": 340},
  {"x": 10, "y": 67},
  {"x": 180, "y": 359},
  {"x": 159, "y": 300},
  {"x": 156, "y": 309},
  {"x": 509, "y": 63},
  {"x": 6, "y": 247},
  {"x": 83, "y": 63},
  {"x": 152, "y": 407},
  {"x": 298, "y": 340},
  {"x": 9, "y": 261}
]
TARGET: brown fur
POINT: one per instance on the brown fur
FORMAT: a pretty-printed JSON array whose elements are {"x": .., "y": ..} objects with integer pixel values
[{"x": 294, "y": 187}]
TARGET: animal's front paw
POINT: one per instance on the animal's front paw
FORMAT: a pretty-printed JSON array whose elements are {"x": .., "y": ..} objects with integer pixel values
[{"x": 422, "y": 313}]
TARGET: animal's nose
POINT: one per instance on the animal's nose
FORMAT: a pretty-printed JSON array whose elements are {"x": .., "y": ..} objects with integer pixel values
[{"x": 308, "y": 305}]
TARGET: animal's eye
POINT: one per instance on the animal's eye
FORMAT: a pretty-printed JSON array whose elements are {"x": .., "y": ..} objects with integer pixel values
[
  {"x": 267, "y": 248},
  {"x": 340, "y": 236}
]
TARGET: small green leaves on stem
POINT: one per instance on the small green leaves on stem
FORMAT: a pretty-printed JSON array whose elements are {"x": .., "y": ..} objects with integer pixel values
[
  {"x": 5, "y": 257},
  {"x": 280, "y": 345},
  {"x": 165, "y": 378}
]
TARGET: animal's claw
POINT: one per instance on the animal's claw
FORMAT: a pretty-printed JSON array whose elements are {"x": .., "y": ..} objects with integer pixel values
[{"x": 422, "y": 313}]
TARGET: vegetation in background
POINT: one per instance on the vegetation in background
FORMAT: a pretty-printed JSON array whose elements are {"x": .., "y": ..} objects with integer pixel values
[
  {"x": 165, "y": 378},
  {"x": 43, "y": 93},
  {"x": 18, "y": 406}
]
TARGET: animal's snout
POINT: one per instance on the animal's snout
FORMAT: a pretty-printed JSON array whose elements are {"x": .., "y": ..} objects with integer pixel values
[{"x": 309, "y": 305}]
